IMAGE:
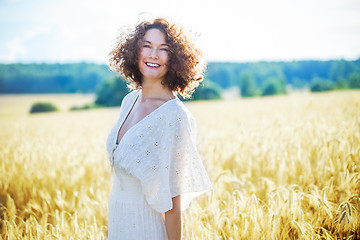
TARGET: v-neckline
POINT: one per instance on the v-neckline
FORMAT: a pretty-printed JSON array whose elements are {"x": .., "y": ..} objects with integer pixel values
[
  {"x": 117, "y": 143},
  {"x": 117, "y": 140}
]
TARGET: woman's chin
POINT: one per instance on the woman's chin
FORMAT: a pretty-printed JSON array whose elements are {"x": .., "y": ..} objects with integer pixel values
[{"x": 153, "y": 76}]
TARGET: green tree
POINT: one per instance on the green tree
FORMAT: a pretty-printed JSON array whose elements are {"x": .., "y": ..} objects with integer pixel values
[
  {"x": 207, "y": 91},
  {"x": 354, "y": 80},
  {"x": 273, "y": 86},
  {"x": 320, "y": 85},
  {"x": 247, "y": 84},
  {"x": 111, "y": 92},
  {"x": 342, "y": 83},
  {"x": 220, "y": 76}
]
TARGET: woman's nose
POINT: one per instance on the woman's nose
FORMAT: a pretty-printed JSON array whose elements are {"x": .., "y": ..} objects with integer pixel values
[{"x": 154, "y": 53}]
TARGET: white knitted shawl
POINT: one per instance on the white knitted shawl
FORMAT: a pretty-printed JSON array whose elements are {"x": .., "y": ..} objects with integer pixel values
[{"x": 160, "y": 151}]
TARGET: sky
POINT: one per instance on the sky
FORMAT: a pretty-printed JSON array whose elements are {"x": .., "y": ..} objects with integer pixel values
[{"x": 61, "y": 31}]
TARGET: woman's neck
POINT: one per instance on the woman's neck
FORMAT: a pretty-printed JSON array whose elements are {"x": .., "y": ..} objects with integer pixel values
[{"x": 155, "y": 90}]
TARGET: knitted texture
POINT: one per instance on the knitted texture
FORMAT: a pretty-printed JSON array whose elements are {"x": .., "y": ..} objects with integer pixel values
[{"x": 155, "y": 160}]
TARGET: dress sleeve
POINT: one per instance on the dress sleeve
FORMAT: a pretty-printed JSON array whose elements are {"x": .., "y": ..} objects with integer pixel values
[
  {"x": 187, "y": 175},
  {"x": 166, "y": 159}
]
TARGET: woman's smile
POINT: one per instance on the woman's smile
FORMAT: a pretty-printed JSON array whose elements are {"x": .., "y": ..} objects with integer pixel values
[{"x": 152, "y": 65}]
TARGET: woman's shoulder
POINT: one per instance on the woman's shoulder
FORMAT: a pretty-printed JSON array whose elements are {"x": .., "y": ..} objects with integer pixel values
[
  {"x": 180, "y": 112},
  {"x": 130, "y": 97}
]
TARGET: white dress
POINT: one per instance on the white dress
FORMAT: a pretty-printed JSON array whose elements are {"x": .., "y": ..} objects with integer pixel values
[{"x": 155, "y": 160}]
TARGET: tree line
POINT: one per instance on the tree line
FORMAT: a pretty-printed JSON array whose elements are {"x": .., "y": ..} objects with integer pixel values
[
  {"x": 253, "y": 79},
  {"x": 52, "y": 78},
  {"x": 268, "y": 78}
]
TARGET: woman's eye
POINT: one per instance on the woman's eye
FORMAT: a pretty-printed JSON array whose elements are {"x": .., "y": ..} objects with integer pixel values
[
  {"x": 146, "y": 46},
  {"x": 164, "y": 49}
]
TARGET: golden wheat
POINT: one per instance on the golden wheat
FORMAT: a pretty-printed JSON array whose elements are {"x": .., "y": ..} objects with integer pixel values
[{"x": 282, "y": 167}]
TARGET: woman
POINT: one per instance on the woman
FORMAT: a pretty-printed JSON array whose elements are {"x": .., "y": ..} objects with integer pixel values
[{"x": 152, "y": 146}]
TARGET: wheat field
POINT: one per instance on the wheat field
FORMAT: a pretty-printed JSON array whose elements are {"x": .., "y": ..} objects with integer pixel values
[{"x": 285, "y": 167}]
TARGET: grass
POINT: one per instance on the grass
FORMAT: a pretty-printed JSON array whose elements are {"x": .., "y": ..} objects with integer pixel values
[{"x": 282, "y": 167}]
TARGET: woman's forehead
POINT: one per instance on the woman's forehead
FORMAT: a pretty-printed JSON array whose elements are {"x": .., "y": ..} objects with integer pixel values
[{"x": 155, "y": 36}]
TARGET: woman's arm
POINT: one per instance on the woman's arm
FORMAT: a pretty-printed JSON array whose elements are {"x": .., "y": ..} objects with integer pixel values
[{"x": 173, "y": 220}]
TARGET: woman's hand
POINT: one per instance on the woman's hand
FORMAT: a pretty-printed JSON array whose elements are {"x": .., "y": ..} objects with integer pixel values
[{"x": 173, "y": 220}]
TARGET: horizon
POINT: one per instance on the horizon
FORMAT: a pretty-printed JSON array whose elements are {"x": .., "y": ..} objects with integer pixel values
[{"x": 207, "y": 62}]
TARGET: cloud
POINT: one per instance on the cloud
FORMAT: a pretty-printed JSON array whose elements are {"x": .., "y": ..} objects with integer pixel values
[{"x": 17, "y": 47}]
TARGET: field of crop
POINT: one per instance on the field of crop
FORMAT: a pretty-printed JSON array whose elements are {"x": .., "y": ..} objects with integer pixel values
[{"x": 285, "y": 167}]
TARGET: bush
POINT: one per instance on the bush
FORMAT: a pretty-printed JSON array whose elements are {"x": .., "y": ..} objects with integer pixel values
[
  {"x": 342, "y": 83},
  {"x": 111, "y": 92},
  {"x": 320, "y": 85},
  {"x": 207, "y": 91},
  {"x": 273, "y": 86},
  {"x": 43, "y": 107},
  {"x": 247, "y": 84},
  {"x": 354, "y": 80}
]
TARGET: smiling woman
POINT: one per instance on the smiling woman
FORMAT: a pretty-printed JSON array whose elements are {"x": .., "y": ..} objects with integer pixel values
[
  {"x": 185, "y": 66},
  {"x": 152, "y": 147}
]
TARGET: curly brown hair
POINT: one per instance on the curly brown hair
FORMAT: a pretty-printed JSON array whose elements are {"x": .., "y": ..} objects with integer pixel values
[{"x": 185, "y": 66}]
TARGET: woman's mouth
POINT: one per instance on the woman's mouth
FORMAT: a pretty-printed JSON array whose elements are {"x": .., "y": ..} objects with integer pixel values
[{"x": 152, "y": 65}]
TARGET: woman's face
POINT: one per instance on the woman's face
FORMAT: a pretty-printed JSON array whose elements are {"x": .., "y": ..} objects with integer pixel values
[{"x": 154, "y": 55}]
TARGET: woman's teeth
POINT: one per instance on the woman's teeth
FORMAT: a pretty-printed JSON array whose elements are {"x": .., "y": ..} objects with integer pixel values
[{"x": 152, "y": 64}]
